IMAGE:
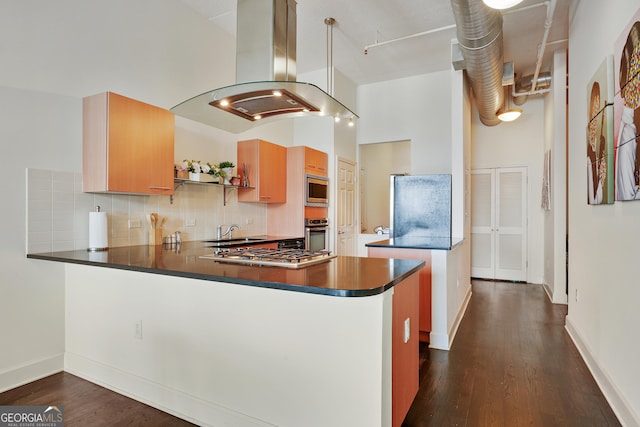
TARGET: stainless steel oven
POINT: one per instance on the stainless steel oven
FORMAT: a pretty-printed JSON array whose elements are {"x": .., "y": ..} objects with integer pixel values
[{"x": 316, "y": 234}]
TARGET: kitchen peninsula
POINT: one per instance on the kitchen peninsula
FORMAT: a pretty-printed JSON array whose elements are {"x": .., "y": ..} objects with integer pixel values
[
  {"x": 241, "y": 345},
  {"x": 439, "y": 256}
]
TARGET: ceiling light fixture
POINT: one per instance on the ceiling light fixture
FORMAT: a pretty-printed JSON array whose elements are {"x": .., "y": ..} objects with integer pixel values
[
  {"x": 508, "y": 113},
  {"x": 501, "y": 4},
  {"x": 224, "y": 103},
  {"x": 351, "y": 122}
]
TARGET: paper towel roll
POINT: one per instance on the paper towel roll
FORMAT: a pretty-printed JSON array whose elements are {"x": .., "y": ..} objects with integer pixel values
[{"x": 98, "y": 240}]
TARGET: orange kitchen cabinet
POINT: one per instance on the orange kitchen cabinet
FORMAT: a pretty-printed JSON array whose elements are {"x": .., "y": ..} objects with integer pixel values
[
  {"x": 288, "y": 219},
  {"x": 424, "y": 276},
  {"x": 267, "y": 171},
  {"x": 405, "y": 351},
  {"x": 316, "y": 162},
  {"x": 127, "y": 146}
]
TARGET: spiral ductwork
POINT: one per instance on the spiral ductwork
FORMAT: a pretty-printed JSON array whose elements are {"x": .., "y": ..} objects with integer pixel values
[{"x": 479, "y": 32}]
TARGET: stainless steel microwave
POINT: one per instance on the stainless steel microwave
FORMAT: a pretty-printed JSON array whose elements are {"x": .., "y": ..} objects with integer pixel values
[{"x": 317, "y": 191}]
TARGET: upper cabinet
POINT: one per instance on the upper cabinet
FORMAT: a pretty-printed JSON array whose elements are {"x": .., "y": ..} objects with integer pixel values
[
  {"x": 315, "y": 162},
  {"x": 266, "y": 165},
  {"x": 128, "y": 146}
]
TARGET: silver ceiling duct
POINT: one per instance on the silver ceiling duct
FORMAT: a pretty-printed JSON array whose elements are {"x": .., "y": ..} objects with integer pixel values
[
  {"x": 524, "y": 86},
  {"x": 479, "y": 31},
  {"x": 266, "y": 88}
]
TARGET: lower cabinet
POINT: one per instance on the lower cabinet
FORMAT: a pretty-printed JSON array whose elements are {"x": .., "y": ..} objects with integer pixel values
[
  {"x": 405, "y": 363},
  {"x": 425, "y": 280}
]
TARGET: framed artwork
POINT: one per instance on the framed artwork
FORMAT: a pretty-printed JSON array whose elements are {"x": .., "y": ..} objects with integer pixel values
[
  {"x": 627, "y": 110},
  {"x": 600, "y": 140},
  {"x": 546, "y": 182}
]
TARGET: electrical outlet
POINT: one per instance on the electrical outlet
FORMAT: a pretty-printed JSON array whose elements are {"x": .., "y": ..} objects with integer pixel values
[
  {"x": 407, "y": 329},
  {"x": 138, "y": 330},
  {"x": 576, "y": 294},
  {"x": 191, "y": 222},
  {"x": 248, "y": 221},
  {"x": 134, "y": 223}
]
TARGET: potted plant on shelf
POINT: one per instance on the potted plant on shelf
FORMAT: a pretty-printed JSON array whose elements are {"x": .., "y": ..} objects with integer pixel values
[
  {"x": 226, "y": 169},
  {"x": 199, "y": 171},
  {"x": 181, "y": 170}
]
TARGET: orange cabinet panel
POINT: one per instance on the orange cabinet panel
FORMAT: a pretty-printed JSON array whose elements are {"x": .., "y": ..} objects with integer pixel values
[
  {"x": 405, "y": 364},
  {"x": 288, "y": 219},
  {"x": 425, "y": 280},
  {"x": 267, "y": 171},
  {"x": 128, "y": 146},
  {"x": 316, "y": 162}
]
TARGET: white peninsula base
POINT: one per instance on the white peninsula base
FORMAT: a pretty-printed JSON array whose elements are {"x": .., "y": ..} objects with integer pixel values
[{"x": 225, "y": 354}]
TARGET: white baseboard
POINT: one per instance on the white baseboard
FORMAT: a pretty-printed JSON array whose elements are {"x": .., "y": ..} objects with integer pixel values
[
  {"x": 456, "y": 322},
  {"x": 625, "y": 413},
  {"x": 32, "y": 371},
  {"x": 441, "y": 341},
  {"x": 554, "y": 297},
  {"x": 166, "y": 399}
]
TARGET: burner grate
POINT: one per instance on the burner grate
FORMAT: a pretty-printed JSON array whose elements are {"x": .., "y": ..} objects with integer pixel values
[{"x": 283, "y": 257}]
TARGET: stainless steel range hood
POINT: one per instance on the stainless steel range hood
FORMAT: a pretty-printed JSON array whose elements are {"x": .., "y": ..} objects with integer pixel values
[{"x": 266, "y": 88}]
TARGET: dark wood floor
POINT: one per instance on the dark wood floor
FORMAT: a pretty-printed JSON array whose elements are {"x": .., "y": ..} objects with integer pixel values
[
  {"x": 511, "y": 364},
  {"x": 87, "y": 404}
]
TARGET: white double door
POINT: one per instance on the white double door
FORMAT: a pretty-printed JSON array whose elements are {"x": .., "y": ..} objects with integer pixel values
[{"x": 499, "y": 223}]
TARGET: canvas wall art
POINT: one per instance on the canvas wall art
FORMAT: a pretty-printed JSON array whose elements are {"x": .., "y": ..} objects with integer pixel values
[
  {"x": 627, "y": 110},
  {"x": 546, "y": 182},
  {"x": 600, "y": 140}
]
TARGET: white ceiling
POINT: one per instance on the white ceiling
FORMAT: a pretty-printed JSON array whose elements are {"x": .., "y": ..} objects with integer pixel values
[{"x": 365, "y": 22}]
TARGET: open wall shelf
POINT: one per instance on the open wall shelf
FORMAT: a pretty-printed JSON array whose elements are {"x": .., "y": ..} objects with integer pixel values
[{"x": 179, "y": 182}]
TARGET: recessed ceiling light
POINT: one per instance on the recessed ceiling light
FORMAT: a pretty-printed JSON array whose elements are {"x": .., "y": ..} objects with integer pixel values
[
  {"x": 257, "y": 117},
  {"x": 501, "y": 4},
  {"x": 277, "y": 93},
  {"x": 224, "y": 102}
]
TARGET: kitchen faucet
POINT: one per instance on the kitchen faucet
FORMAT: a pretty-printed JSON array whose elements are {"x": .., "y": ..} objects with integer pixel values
[{"x": 229, "y": 231}]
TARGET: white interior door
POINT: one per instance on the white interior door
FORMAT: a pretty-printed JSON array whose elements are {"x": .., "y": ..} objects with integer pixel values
[
  {"x": 499, "y": 224},
  {"x": 346, "y": 209}
]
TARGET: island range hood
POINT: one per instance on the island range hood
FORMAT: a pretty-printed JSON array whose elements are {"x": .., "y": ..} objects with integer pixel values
[{"x": 266, "y": 88}]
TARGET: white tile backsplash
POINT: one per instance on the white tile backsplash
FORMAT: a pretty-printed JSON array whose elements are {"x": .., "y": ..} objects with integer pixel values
[{"x": 58, "y": 213}]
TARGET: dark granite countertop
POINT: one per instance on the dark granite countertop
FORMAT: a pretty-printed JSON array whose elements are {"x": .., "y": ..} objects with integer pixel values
[
  {"x": 341, "y": 276},
  {"x": 409, "y": 242}
]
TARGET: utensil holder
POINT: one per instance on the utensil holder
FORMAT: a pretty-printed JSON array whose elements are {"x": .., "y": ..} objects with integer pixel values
[{"x": 155, "y": 236}]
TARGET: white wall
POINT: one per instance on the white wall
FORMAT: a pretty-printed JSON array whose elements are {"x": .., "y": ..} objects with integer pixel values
[
  {"x": 417, "y": 109},
  {"x": 518, "y": 143},
  {"x": 555, "y": 219},
  {"x": 603, "y": 240},
  {"x": 157, "y": 51},
  {"x": 41, "y": 130}
]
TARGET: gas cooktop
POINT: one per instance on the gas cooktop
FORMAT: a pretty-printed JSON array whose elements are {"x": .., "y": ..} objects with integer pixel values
[{"x": 290, "y": 258}]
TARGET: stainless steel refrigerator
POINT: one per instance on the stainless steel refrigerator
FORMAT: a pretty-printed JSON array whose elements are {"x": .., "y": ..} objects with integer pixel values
[{"x": 420, "y": 206}]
